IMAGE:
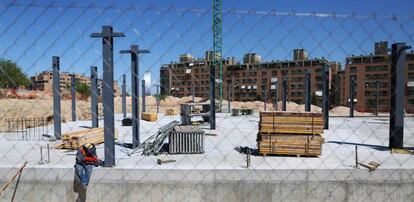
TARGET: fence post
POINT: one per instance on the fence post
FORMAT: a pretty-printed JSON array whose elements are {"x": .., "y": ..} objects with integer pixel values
[
  {"x": 143, "y": 96},
  {"x": 397, "y": 95},
  {"x": 94, "y": 96},
  {"x": 107, "y": 36},
  {"x": 134, "y": 51},
  {"x": 325, "y": 77},
  {"x": 73, "y": 94},
  {"x": 57, "y": 119},
  {"x": 351, "y": 96},
  {"x": 307, "y": 91},
  {"x": 284, "y": 85}
]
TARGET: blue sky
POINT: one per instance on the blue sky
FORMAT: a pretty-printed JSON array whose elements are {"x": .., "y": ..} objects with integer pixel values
[{"x": 32, "y": 34}]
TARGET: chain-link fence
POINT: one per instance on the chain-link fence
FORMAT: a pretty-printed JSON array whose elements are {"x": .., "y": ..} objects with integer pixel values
[{"x": 310, "y": 106}]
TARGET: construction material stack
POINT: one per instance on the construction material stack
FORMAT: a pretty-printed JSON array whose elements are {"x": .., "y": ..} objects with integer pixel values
[
  {"x": 149, "y": 116},
  {"x": 186, "y": 140},
  {"x": 74, "y": 140},
  {"x": 290, "y": 133}
]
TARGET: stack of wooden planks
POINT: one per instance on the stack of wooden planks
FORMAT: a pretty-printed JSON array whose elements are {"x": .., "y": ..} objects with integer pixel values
[
  {"x": 74, "y": 140},
  {"x": 290, "y": 133},
  {"x": 149, "y": 116},
  {"x": 171, "y": 112}
]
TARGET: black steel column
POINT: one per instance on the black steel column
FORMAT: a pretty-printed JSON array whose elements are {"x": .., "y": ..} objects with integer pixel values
[
  {"x": 276, "y": 96},
  {"x": 397, "y": 95},
  {"x": 325, "y": 77},
  {"x": 57, "y": 119},
  {"x": 229, "y": 97},
  {"x": 307, "y": 91},
  {"x": 212, "y": 96},
  {"x": 284, "y": 86},
  {"x": 351, "y": 96},
  {"x": 94, "y": 96},
  {"x": 158, "y": 98},
  {"x": 124, "y": 95},
  {"x": 134, "y": 51},
  {"x": 376, "y": 98},
  {"x": 143, "y": 96},
  {"x": 265, "y": 97},
  {"x": 107, "y": 35},
  {"x": 73, "y": 95}
]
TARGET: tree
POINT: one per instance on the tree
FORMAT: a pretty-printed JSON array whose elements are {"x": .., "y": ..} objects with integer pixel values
[
  {"x": 82, "y": 89},
  {"x": 11, "y": 75},
  {"x": 315, "y": 100}
]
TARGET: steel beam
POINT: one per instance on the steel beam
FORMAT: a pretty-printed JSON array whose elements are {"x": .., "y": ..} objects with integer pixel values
[
  {"x": 107, "y": 36},
  {"x": 158, "y": 98},
  {"x": 143, "y": 96},
  {"x": 325, "y": 109},
  {"x": 229, "y": 97},
  {"x": 351, "y": 96},
  {"x": 124, "y": 111},
  {"x": 284, "y": 86},
  {"x": 212, "y": 96},
  {"x": 376, "y": 98},
  {"x": 73, "y": 95},
  {"x": 398, "y": 57},
  {"x": 308, "y": 91},
  {"x": 135, "y": 51},
  {"x": 57, "y": 119},
  {"x": 94, "y": 96}
]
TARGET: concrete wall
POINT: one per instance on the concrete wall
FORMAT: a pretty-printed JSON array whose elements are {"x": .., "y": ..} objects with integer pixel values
[{"x": 54, "y": 184}]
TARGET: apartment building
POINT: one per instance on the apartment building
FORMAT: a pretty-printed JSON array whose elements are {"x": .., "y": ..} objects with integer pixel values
[
  {"x": 44, "y": 81},
  {"x": 376, "y": 67},
  {"x": 178, "y": 78},
  {"x": 248, "y": 80}
]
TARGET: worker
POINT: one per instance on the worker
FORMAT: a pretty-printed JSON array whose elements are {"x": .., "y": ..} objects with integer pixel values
[{"x": 86, "y": 159}]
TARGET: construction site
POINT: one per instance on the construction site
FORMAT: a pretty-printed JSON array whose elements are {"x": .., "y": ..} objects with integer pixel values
[{"x": 215, "y": 129}]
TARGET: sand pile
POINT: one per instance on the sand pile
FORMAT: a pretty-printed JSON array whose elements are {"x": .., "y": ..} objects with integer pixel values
[{"x": 344, "y": 111}]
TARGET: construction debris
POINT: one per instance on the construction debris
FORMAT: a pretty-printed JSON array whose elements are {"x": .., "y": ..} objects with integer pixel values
[
  {"x": 369, "y": 166},
  {"x": 186, "y": 140},
  {"x": 154, "y": 144},
  {"x": 160, "y": 162},
  {"x": 402, "y": 151},
  {"x": 290, "y": 133},
  {"x": 18, "y": 173},
  {"x": 149, "y": 116},
  {"x": 74, "y": 140}
]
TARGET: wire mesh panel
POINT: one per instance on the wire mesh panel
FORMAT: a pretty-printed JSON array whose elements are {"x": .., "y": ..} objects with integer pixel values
[{"x": 228, "y": 63}]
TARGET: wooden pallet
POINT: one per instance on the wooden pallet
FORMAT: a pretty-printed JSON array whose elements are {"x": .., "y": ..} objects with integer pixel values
[
  {"x": 149, "y": 116},
  {"x": 74, "y": 140},
  {"x": 291, "y": 122},
  {"x": 290, "y": 144}
]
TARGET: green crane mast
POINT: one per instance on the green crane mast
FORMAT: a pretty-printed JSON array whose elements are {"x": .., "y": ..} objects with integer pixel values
[{"x": 218, "y": 44}]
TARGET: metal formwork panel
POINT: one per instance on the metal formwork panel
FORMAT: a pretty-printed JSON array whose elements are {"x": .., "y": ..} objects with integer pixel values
[{"x": 186, "y": 140}]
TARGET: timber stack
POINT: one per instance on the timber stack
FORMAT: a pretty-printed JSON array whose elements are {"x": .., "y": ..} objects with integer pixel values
[
  {"x": 290, "y": 133},
  {"x": 74, "y": 140}
]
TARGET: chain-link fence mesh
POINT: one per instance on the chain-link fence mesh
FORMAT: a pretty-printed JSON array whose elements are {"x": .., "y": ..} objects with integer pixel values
[{"x": 263, "y": 51}]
